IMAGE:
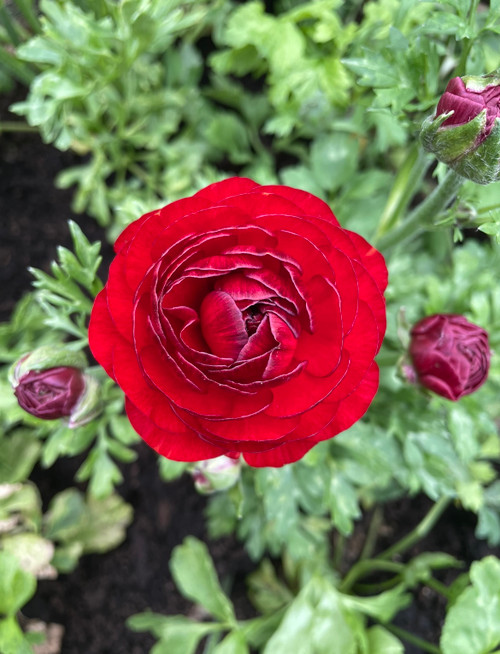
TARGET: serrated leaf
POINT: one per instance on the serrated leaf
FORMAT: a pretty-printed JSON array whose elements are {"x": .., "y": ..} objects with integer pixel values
[
  {"x": 104, "y": 475},
  {"x": 344, "y": 503},
  {"x": 195, "y": 576}
]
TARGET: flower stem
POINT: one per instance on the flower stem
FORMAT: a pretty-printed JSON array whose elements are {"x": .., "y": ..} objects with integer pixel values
[
  {"x": 438, "y": 587},
  {"x": 424, "y": 645},
  {"x": 366, "y": 566},
  {"x": 405, "y": 185},
  {"x": 424, "y": 215},
  {"x": 371, "y": 536},
  {"x": 420, "y": 531},
  {"x": 16, "y": 126},
  {"x": 361, "y": 568},
  {"x": 338, "y": 552}
]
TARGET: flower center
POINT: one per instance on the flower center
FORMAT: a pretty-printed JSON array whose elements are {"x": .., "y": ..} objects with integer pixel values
[{"x": 253, "y": 317}]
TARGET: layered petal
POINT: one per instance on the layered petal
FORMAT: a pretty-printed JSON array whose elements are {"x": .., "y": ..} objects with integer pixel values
[{"x": 242, "y": 319}]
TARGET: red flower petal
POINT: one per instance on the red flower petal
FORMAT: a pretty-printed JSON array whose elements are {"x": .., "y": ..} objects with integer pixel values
[
  {"x": 222, "y": 325},
  {"x": 242, "y": 319},
  {"x": 179, "y": 445},
  {"x": 310, "y": 204}
]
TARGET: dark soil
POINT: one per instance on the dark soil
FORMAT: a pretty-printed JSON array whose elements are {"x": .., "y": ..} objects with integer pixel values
[{"x": 94, "y": 601}]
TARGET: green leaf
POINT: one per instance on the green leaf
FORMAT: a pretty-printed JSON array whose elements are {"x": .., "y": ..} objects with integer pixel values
[
  {"x": 170, "y": 470},
  {"x": 15, "y": 468},
  {"x": 334, "y": 159},
  {"x": 472, "y": 624},
  {"x": 317, "y": 622},
  {"x": 94, "y": 525},
  {"x": 33, "y": 552},
  {"x": 419, "y": 569},
  {"x": 177, "y": 634},
  {"x": 195, "y": 576},
  {"x": 16, "y": 585},
  {"x": 66, "y": 512},
  {"x": 267, "y": 593},
  {"x": 383, "y": 607},
  {"x": 104, "y": 475},
  {"x": 344, "y": 503},
  {"x": 233, "y": 643},
  {"x": 12, "y": 640},
  {"x": 381, "y": 641}
]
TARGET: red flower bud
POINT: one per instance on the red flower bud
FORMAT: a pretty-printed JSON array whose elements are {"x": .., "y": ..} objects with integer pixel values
[
  {"x": 50, "y": 394},
  {"x": 465, "y": 131},
  {"x": 467, "y": 102},
  {"x": 451, "y": 355}
]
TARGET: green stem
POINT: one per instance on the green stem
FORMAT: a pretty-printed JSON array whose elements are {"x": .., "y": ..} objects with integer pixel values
[
  {"x": 376, "y": 589},
  {"x": 16, "y": 126},
  {"x": 404, "y": 188},
  {"x": 361, "y": 568},
  {"x": 424, "y": 645},
  {"x": 338, "y": 552},
  {"x": 366, "y": 566},
  {"x": 424, "y": 215},
  {"x": 420, "y": 531},
  {"x": 468, "y": 42},
  {"x": 373, "y": 529},
  {"x": 438, "y": 587}
]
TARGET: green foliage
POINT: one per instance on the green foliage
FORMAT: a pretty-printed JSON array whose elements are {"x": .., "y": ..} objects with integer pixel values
[
  {"x": 472, "y": 624},
  {"x": 316, "y": 619},
  {"x": 18, "y": 22},
  {"x": 81, "y": 525},
  {"x": 16, "y": 587},
  {"x": 59, "y": 310},
  {"x": 163, "y": 97},
  {"x": 66, "y": 296},
  {"x": 112, "y": 85},
  {"x": 194, "y": 574}
]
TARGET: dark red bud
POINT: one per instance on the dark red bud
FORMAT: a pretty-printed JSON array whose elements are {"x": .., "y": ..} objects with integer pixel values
[
  {"x": 451, "y": 355},
  {"x": 50, "y": 394},
  {"x": 467, "y": 103}
]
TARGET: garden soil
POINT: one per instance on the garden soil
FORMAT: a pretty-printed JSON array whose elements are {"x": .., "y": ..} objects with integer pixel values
[{"x": 93, "y": 602}]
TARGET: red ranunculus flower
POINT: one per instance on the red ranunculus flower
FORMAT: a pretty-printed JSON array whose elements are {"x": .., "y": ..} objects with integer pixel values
[
  {"x": 451, "y": 355},
  {"x": 242, "y": 319}
]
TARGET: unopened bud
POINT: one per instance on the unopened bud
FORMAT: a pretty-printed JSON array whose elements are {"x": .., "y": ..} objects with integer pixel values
[
  {"x": 49, "y": 383},
  {"x": 216, "y": 474},
  {"x": 465, "y": 132}
]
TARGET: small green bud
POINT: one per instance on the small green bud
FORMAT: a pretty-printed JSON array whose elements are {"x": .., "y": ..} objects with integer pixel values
[{"x": 216, "y": 474}]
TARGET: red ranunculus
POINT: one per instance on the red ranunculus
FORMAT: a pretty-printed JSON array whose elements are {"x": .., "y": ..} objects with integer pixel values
[
  {"x": 242, "y": 319},
  {"x": 451, "y": 355}
]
